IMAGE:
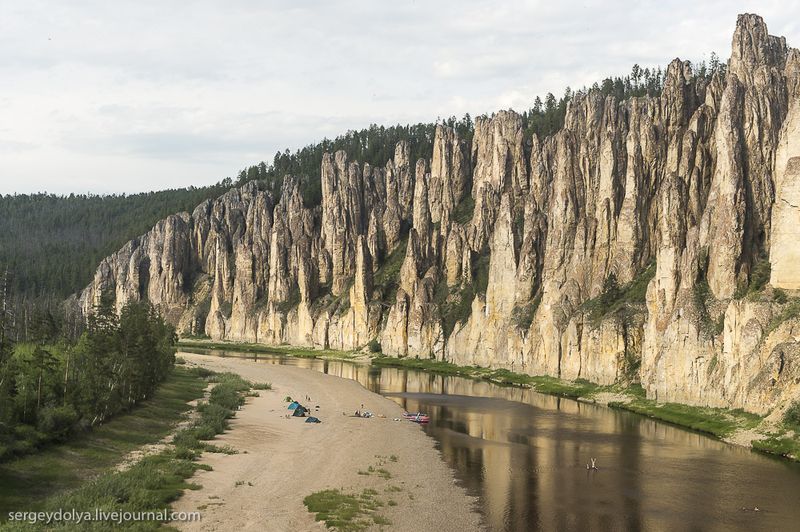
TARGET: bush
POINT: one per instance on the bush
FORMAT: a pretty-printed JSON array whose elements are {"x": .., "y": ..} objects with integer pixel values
[
  {"x": 57, "y": 421},
  {"x": 231, "y": 379},
  {"x": 620, "y": 300},
  {"x": 454, "y": 305},
  {"x": 226, "y": 396},
  {"x": 203, "y": 373},
  {"x": 292, "y": 300},
  {"x": 780, "y": 296},
  {"x": 226, "y": 309},
  {"x": 522, "y": 315},
  {"x": 480, "y": 274},
  {"x": 465, "y": 210},
  {"x": 759, "y": 277},
  {"x": 27, "y": 433},
  {"x": 792, "y": 414},
  {"x": 187, "y": 439},
  {"x": 790, "y": 312},
  {"x": 374, "y": 346},
  {"x": 387, "y": 276},
  {"x": 214, "y": 415},
  {"x": 5, "y": 452}
]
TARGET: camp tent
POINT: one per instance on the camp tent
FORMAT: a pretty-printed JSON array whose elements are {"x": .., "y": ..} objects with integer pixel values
[
  {"x": 293, "y": 405},
  {"x": 300, "y": 411},
  {"x": 313, "y": 419}
]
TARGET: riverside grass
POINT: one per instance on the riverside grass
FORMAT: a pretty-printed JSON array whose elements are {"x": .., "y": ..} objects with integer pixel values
[
  {"x": 27, "y": 481},
  {"x": 346, "y": 512},
  {"x": 266, "y": 349},
  {"x": 785, "y": 439},
  {"x": 79, "y": 474},
  {"x": 717, "y": 422}
]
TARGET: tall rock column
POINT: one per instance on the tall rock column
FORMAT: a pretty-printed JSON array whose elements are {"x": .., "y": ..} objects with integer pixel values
[
  {"x": 785, "y": 253},
  {"x": 342, "y": 204},
  {"x": 449, "y": 173}
]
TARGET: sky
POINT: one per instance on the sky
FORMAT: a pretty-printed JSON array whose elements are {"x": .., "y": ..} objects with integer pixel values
[{"x": 132, "y": 96}]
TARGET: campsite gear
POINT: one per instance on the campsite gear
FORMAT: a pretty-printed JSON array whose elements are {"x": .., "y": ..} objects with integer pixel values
[
  {"x": 300, "y": 411},
  {"x": 416, "y": 417},
  {"x": 293, "y": 405},
  {"x": 313, "y": 419}
]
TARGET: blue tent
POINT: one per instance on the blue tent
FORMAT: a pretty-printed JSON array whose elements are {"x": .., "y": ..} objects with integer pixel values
[
  {"x": 313, "y": 419},
  {"x": 293, "y": 405}
]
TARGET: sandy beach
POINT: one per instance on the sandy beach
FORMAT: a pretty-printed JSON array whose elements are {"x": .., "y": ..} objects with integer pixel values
[{"x": 280, "y": 461}]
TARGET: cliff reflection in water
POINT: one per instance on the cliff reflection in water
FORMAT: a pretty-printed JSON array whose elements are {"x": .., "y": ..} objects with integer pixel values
[{"x": 525, "y": 454}]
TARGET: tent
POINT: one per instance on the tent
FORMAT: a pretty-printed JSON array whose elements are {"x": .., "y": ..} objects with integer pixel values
[
  {"x": 293, "y": 405},
  {"x": 313, "y": 419},
  {"x": 300, "y": 411}
]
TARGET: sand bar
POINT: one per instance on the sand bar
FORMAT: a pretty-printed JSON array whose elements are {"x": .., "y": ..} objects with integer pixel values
[{"x": 281, "y": 460}]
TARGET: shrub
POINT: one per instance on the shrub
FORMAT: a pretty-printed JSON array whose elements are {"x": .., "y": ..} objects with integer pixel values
[
  {"x": 227, "y": 396},
  {"x": 791, "y": 311},
  {"x": 292, "y": 300},
  {"x": 522, "y": 315},
  {"x": 792, "y": 414},
  {"x": 374, "y": 346},
  {"x": 387, "y": 276},
  {"x": 780, "y": 296},
  {"x": 57, "y": 421},
  {"x": 203, "y": 373},
  {"x": 480, "y": 273},
  {"x": 454, "y": 305},
  {"x": 465, "y": 210},
  {"x": 231, "y": 379},
  {"x": 759, "y": 277},
  {"x": 620, "y": 300},
  {"x": 214, "y": 415}
]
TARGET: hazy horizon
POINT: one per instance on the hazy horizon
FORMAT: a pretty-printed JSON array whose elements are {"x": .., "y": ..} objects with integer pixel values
[{"x": 134, "y": 97}]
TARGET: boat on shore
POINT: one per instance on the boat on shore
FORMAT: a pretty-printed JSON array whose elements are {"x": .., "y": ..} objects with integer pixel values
[{"x": 416, "y": 417}]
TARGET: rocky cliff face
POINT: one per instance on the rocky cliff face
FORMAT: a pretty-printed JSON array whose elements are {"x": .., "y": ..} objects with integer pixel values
[{"x": 626, "y": 247}]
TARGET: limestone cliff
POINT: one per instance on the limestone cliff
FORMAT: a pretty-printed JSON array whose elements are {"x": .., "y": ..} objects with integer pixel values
[{"x": 629, "y": 246}]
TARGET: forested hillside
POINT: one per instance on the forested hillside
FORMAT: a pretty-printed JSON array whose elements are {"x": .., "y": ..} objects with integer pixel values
[{"x": 51, "y": 244}]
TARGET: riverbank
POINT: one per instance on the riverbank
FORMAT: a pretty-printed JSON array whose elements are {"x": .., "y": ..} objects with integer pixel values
[
  {"x": 285, "y": 350},
  {"x": 736, "y": 427},
  {"x": 30, "y": 482},
  {"x": 374, "y": 470}
]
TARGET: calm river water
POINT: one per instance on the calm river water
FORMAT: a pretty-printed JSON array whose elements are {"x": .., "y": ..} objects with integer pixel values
[{"x": 524, "y": 455}]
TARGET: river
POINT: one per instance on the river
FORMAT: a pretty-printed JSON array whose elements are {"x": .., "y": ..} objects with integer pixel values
[{"x": 524, "y": 454}]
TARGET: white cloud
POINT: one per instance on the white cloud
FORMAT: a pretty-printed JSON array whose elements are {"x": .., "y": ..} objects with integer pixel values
[{"x": 137, "y": 95}]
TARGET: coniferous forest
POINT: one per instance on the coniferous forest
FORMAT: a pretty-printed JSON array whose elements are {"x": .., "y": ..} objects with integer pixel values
[{"x": 52, "y": 386}]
